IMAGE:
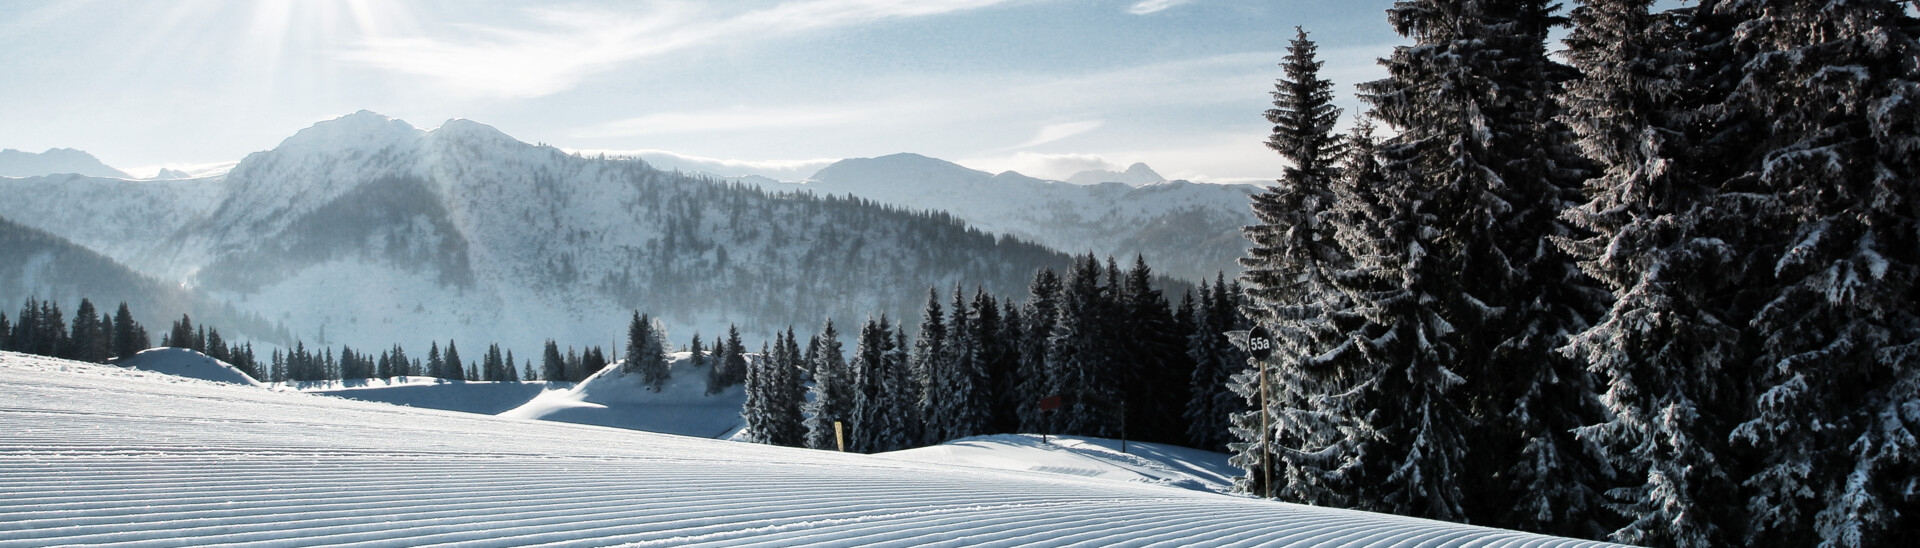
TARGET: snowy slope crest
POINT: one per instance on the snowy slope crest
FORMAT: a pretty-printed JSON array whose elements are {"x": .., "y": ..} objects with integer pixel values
[
  {"x": 1148, "y": 463},
  {"x": 612, "y": 397},
  {"x": 483, "y": 397},
  {"x": 104, "y": 455},
  {"x": 181, "y": 362}
]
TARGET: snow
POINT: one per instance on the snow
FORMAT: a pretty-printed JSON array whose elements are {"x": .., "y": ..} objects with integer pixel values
[
  {"x": 1148, "y": 463},
  {"x": 486, "y": 398},
  {"x": 186, "y": 363},
  {"x": 100, "y": 454},
  {"x": 619, "y": 399}
]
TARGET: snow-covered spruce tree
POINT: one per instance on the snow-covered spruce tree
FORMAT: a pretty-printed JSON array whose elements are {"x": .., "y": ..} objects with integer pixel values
[
  {"x": 697, "y": 352},
  {"x": 1526, "y": 398},
  {"x": 1037, "y": 379},
  {"x": 729, "y": 362},
  {"x": 1829, "y": 91},
  {"x": 1289, "y": 265},
  {"x": 1212, "y": 407},
  {"x": 1668, "y": 352},
  {"x": 1081, "y": 356},
  {"x": 790, "y": 395},
  {"x": 645, "y": 354},
  {"x": 834, "y": 391},
  {"x": 772, "y": 412},
  {"x": 1005, "y": 370},
  {"x": 961, "y": 408},
  {"x": 929, "y": 352},
  {"x": 881, "y": 411}
]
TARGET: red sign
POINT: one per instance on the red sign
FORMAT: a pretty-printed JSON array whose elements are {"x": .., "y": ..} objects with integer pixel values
[{"x": 1050, "y": 403}]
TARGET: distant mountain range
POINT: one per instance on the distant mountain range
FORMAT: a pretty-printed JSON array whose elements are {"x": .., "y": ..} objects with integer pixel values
[
  {"x": 368, "y": 231},
  {"x": 1185, "y": 230},
  {"x": 16, "y": 163}
]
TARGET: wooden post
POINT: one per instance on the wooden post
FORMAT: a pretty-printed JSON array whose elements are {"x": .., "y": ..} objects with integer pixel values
[
  {"x": 1266, "y": 435},
  {"x": 839, "y": 436}
]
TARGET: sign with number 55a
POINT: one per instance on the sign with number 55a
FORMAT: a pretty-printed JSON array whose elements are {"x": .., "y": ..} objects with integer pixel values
[{"x": 1260, "y": 343}]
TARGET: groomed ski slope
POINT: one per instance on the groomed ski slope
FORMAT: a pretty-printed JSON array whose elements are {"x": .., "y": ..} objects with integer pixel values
[{"x": 102, "y": 455}]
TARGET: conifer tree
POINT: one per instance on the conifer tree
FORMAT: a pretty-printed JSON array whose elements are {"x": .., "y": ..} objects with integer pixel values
[
  {"x": 456, "y": 370},
  {"x": 1156, "y": 381},
  {"x": 592, "y": 360},
  {"x": 961, "y": 409},
  {"x": 51, "y": 335},
  {"x": 1004, "y": 368},
  {"x": 182, "y": 334},
  {"x": 528, "y": 374},
  {"x": 882, "y": 414},
  {"x": 929, "y": 355},
  {"x": 88, "y": 338},
  {"x": 436, "y": 367},
  {"x": 1666, "y": 351},
  {"x": 1838, "y": 334},
  {"x": 834, "y": 391},
  {"x": 1037, "y": 379},
  {"x": 773, "y": 412},
  {"x": 1081, "y": 358},
  {"x": 217, "y": 345},
  {"x": 129, "y": 337},
  {"x": 645, "y": 354},
  {"x": 553, "y": 367},
  {"x": 6, "y": 332}
]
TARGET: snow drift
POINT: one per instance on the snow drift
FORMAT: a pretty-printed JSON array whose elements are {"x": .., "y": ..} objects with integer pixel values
[
  {"x": 615, "y": 398},
  {"x": 187, "y": 363}
]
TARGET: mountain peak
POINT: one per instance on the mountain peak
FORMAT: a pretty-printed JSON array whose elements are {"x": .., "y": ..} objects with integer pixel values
[
  {"x": 16, "y": 163},
  {"x": 1137, "y": 174},
  {"x": 464, "y": 129},
  {"x": 895, "y": 169},
  {"x": 363, "y": 130}
]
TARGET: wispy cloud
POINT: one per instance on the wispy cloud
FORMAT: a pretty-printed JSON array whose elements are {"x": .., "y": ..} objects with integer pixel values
[
  {"x": 1045, "y": 166},
  {"x": 1055, "y": 132},
  {"x": 1154, "y": 6},
  {"x": 565, "y": 46},
  {"x": 785, "y": 170},
  {"x": 741, "y": 118}
]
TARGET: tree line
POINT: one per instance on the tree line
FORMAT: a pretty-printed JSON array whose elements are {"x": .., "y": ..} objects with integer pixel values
[
  {"x": 1662, "y": 294},
  {"x": 1096, "y": 352},
  {"x": 41, "y": 329}
]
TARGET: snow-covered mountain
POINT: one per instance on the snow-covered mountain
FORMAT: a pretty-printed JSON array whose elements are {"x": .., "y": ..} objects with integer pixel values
[
  {"x": 1137, "y": 174},
  {"x": 1184, "y": 229},
  {"x": 38, "y": 265},
  {"x": 367, "y": 231},
  {"x": 120, "y": 218},
  {"x": 105, "y": 455},
  {"x": 18, "y": 163}
]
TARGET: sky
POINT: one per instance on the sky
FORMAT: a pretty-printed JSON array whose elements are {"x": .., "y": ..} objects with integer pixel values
[{"x": 1044, "y": 87}]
